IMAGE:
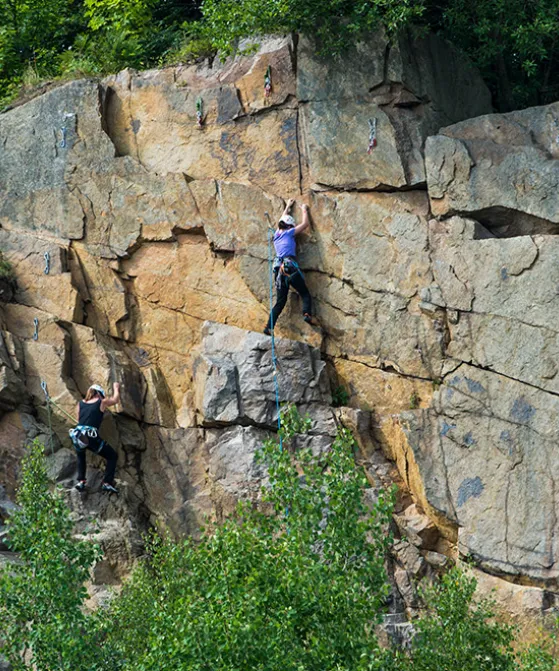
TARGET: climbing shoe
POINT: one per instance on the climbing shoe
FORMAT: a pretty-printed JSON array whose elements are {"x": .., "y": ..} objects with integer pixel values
[
  {"x": 267, "y": 331},
  {"x": 307, "y": 318},
  {"x": 80, "y": 485},
  {"x": 107, "y": 487}
]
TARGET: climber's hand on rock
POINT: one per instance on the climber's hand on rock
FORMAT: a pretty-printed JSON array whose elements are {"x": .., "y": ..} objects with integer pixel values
[
  {"x": 290, "y": 203},
  {"x": 304, "y": 207}
]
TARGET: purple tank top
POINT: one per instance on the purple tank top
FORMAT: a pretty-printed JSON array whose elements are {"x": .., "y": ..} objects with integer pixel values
[{"x": 284, "y": 242}]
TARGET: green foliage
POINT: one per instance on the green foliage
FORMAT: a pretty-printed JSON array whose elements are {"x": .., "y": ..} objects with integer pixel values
[
  {"x": 336, "y": 24},
  {"x": 6, "y": 270},
  {"x": 458, "y": 633},
  {"x": 41, "y": 596},
  {"x": 32, "y": 33},
  {"x": 514, "y": 43},
  {"x": 340, "y": 396},
  {"x": 297, "y": 589},
  {"x": 414, "y": 400}
]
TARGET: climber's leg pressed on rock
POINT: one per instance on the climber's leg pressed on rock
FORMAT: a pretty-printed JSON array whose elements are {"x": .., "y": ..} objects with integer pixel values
[
  {"x": 110, "y": 456},
  {"x": 298, "y": 283},
  {"x": 282, "y": 292}
]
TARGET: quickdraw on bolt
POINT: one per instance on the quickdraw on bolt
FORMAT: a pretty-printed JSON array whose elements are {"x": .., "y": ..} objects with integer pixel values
[
  {"x": 556, "y": 122},
  {"x": 200, "y": 113},
  {"x": 47, "y": 263},
  {"x": 45, "y": 389},
  {"x": 36, "y": 332},
  {"x": 64, "y": 132},
  {"x": 268, "y": 82},
  {"x": 372, "y": 135}
]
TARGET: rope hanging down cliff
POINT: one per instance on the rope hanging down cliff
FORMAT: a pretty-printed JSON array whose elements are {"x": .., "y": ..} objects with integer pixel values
[{"x": 274, "y": 358}]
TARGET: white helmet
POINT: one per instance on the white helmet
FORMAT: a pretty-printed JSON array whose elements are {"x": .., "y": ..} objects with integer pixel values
[
  {"x": 98, "y": 389},
  {"x": 288, "y": 219}
]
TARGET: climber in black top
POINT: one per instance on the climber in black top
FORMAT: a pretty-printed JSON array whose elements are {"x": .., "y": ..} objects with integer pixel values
[{"x": 86, "y": 437}]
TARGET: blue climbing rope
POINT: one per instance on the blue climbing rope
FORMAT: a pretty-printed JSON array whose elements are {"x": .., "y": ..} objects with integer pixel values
[{"x": 274, "y": 357}]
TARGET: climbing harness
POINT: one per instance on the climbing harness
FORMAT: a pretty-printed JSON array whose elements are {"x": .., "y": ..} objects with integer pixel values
[
  {"x": 287, "y": 269},
  {"x": 80, "y": 436},
  {"x": 47, "y": 263},
  {"x": 45, "y": 390},
  {"x": 64, "y": 132},
  {"x": 268, "y": 82},
  {"x": 372, "y": 134},
  {"x": 274, "y": 358},
  {"x": 36, "y": 332},
  {"x": 200, "y": 113}
]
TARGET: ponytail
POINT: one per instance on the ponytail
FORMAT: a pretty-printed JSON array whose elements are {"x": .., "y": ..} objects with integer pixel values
[{"x": 91, "y": 394}]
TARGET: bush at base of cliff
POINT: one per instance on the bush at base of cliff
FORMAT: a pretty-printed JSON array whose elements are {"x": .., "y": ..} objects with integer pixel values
[
  {"x": 298, "y": 589},
  {"x": 41, "y": 595},
  {"x": 457, "y": 632}
]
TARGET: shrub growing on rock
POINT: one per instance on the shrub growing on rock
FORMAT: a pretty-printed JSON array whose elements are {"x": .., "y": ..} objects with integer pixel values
[
  {"x": 42, "y": 622},
  {"x": 298, "y": 588}
]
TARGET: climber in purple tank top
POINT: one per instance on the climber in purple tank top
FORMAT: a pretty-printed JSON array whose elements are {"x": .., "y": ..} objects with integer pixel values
[
  {"x": 286, "y": 269},
  {"x": 85, "y": 435}
]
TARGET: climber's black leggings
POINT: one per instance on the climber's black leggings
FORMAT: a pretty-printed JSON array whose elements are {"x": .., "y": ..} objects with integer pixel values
[
  {"x": 297, "y": 281},
  {"x": 106, "y": 452}
]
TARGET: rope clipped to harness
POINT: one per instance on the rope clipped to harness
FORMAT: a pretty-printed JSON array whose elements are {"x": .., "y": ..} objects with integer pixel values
[
  {"x": 372, "y": 134},
  {"x": 268, "y": 82},
  {"x": 200, "y": 113}
]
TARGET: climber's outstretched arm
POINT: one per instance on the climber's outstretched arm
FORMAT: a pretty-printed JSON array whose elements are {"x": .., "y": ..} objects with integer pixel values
[
  {"x": 306, "y": 220},
  {"x": 112, "y": 400},
  {"x": 288, "y": 207}
]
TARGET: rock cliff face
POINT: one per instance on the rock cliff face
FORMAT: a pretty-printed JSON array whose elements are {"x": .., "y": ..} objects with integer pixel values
[{"x": 139, "y": 243}]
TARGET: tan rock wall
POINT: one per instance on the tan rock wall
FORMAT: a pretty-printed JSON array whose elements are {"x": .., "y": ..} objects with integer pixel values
[{"x": 154, "y": 226}]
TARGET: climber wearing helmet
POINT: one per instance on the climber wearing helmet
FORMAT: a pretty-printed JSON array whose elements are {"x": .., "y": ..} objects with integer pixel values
[
  {"x": 86, "y": 437},
  {"x": 286, "y": 269}
]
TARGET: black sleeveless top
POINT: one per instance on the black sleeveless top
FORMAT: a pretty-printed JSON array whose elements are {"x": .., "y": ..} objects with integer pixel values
[{"x": 90, "y": 414}]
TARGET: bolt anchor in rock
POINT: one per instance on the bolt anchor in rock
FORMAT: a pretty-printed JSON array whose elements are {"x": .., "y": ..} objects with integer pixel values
[
  {"x": 200, "y": 113},
  {"x": 268, "y": 82},
  {"x": 372, "y": 135}
]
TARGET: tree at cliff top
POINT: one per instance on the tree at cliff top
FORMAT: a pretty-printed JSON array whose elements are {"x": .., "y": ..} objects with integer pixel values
[
  {"x": 300, "y": 588},
  {"x": 336, "y": 24},
  {"x": 42, "y": 594},
  {"x": 513, "y": 42}
]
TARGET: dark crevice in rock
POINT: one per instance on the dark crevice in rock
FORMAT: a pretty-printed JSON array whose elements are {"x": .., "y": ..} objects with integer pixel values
[
  {"x": 290, "y": 103},
  {"x": 504, "y": 222},
  {"x": 299, "y": 153},
  {"x": 516, "y": 574},
  {"x": 381, "y": 188},
  {"x": 108, "y": 100},
  {"x": 508, "y": 377},
  {"x": 382, "y": 367}
]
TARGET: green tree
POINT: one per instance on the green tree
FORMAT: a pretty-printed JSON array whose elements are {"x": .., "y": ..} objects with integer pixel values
[
  {"x": 42, "y": 593},
  {"x": 336, "y": 24},
  {"x": 456, "y": 631},
  {"x": 299, "y": 588},
  {"x": 32, "y": 33},
  {"x": 513, "y": 42}
]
